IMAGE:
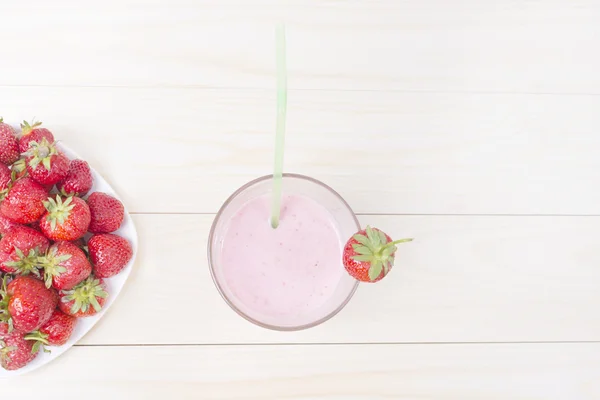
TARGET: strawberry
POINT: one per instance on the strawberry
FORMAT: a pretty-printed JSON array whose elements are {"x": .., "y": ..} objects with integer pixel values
[
  {"x": 109, "y": 254},
  {"x": 33, "y": 133},
  {"x": 16, "y": 352},
  {"x": 55, "y": 332},
  {"x": 4, "y": 329},
  {"x": 45, "y": 163},
  {"x": 68, "y": 220},
  {"x": 24, "y": 202},
  {"x": 30, "y": 304},
  {"x": 9, "y": 146},
  {"x": 85, "y": 299},
  {"x": 20, "y": 249},
  {"x": 369, "y": 254},
  {"x": 78, "y": 181},
  {"x": 107, "y": 213},
  {"x": 19, "y": 169},
  {"x": 65, "y": 266},
  {"x": 6, "y": 225},
  {"x": 5, "y": 180}
]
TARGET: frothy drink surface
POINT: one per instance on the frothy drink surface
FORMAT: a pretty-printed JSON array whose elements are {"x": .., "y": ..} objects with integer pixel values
[{"x": 287, "y": 271}]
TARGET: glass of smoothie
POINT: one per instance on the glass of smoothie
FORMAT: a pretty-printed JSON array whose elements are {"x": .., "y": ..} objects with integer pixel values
[{"x": 290, "y": 277}]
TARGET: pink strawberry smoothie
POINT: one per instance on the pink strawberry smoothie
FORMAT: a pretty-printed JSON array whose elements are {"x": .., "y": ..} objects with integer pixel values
[{"x": 285, "y": 272}]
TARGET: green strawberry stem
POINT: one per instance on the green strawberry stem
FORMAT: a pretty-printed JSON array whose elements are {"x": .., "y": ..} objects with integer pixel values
[
  {"x": 85, "y": 295},
  {"x": 41, "y": 340},
  {"x": 51, "y": 264},
  {"x": 375, "y": 249},
  {"x": 58, "y": 211},
  {"x": 26, "y": 127},
  {"x": 4, "y": 349},
  {"x": 395, "y": 242},
  {"x": 5, "y": 316},
  {"x": 27, "y": 264},
  {"x": 41, "y": 153}
]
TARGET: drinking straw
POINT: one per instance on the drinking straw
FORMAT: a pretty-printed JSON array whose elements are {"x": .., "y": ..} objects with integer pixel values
[{"x": 280, "y": 128}]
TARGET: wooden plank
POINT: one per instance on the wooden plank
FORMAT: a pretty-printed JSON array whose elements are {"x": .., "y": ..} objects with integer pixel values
[
  {"x": 464, "y": 279},
  {"x": 420, "y": 153},
  {"x": 375, "y": 372},
  {"x": 467, "y": 45}
]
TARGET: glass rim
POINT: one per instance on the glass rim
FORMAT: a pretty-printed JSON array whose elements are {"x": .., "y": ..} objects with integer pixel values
[{"x": 218, "y": 285}]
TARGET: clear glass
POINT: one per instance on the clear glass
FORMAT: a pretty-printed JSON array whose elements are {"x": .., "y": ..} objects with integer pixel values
[{"x": 346, "y": 224}]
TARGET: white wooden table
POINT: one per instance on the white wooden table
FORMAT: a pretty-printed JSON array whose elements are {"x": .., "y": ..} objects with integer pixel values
[{"x": 473, "y": 126}]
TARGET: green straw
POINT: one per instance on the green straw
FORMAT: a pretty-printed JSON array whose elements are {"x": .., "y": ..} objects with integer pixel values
[{"x": 280, "y": 131}]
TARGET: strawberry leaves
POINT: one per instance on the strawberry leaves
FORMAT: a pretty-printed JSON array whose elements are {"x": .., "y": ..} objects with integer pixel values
[
  {"x": 41, "y": 153},
  {"x": 26, "y": 264},
  {"x": 85, "y": 296},
  {"x": 4, "y": 298},
  {"x": 376, "y": 249},
  {"x": 58, "y": 211}
]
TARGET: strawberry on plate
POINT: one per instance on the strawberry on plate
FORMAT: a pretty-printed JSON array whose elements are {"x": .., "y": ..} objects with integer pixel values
[
  {"x": 45, "y": 163},
  {"x": 109, "y": 254},
  {"x": 6, "y": 225},
  {"x": 369, "y": 254},
  {"x": 30, "y": 304},
  {"x": 9, "y": 146},
  {"x": 85, "y": 299},
  {"x": 55, "y": 332},
  {"x": 24, "y": 202},
  {"x": 65, "y": 220},
  {"x": 33, "y": 133},
  {"x": 78, "y": 181},
  {"x": 20, "y": 248},
  {"x": 15, "y": 351},
  {"x": 5, "y": 180},
  {"x": 65, "y": 266},
  {"x": 107, "y": 213},
  {"x": 4, "y": 329}
]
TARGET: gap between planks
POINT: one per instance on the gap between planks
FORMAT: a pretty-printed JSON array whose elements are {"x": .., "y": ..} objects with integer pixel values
[
  {"x": 541, "y": 342},
  {"x": 250, "y": 89},
  {"x": 392, "y": 214}
]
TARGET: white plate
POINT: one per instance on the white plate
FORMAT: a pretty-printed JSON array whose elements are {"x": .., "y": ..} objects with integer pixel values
[{"x": 114, "y": 284}]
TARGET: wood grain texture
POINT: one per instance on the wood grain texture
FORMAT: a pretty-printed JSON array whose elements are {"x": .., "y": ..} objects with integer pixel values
[
  {"x": 446, "y": 109},
  {"x": 376, "y": 372},
  {"x": 416, "y": 153},
  {"x": 434, "y": 45},
  {"x": 464, "y": 279}
]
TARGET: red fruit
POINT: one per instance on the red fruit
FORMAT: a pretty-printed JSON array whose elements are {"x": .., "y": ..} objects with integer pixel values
[
  {"x": 5, "y": 180},
  {"x": 20, "y": 249},
  {"x": 68, "y": 220},
  {"x": 65, "y": 266},
  {"x": 30, "y": 303},
  {"x": 109, "y": 254},
  {"x": 78, "y": 181},
  {"x": 33, "y": 133},
  {"x": 6, "y": 225},
  {"x": 16, "y": 352},
  {"x": 55, "y": 332},
  {"x": 4, "y": 329},
  {"x": 9, "y": 146},
  {"x": 85, "y": 299},
  {"x": 107, "y": 213},
  {"x": 45, "y": 163},
  {"x": 5, "y": 177},
  {"x": 24, "y": 202},
  {"x": 369, "y": 254}
]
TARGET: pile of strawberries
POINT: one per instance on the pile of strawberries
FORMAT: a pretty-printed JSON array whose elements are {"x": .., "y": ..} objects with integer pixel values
[{"x": 56, "y": 245}]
